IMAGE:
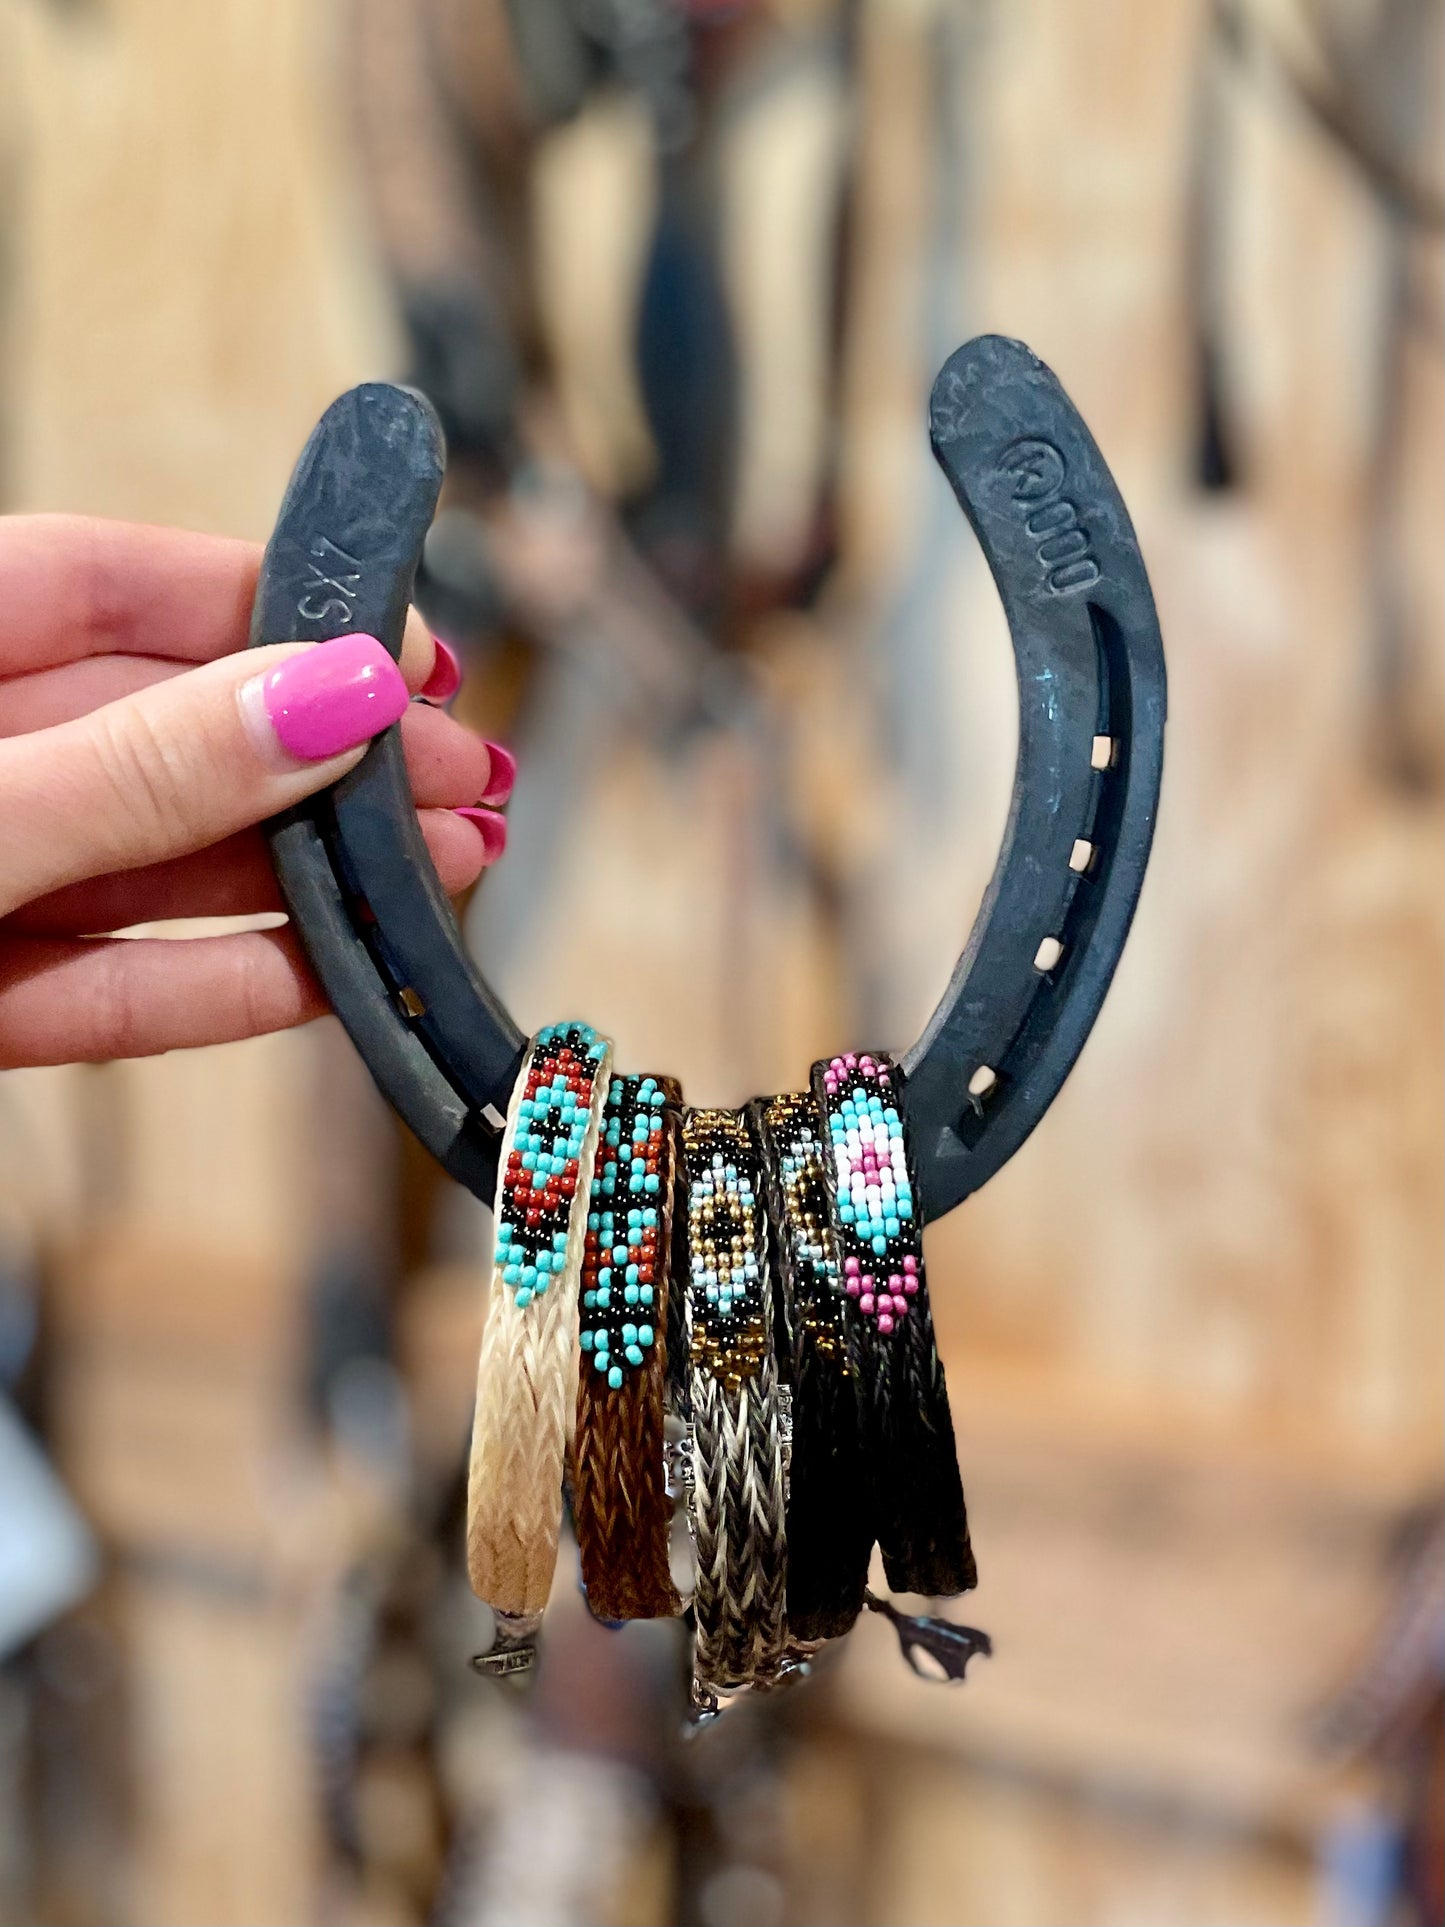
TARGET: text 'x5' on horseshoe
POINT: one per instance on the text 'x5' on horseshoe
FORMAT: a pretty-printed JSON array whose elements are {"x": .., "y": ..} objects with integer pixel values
[{"x": 380, "y": 933}]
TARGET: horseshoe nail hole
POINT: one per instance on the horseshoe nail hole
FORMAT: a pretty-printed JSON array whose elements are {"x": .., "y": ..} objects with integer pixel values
[
  {"x": 1081, "y": 856},
  {"x": 982, "y": 1081},
  {"x": 411, "y": 1003},
  {"x": 1048, "y": 953}
]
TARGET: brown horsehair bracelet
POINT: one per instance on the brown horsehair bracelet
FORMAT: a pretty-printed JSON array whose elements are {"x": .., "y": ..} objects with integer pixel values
[{"x": 621, "y": 1507}]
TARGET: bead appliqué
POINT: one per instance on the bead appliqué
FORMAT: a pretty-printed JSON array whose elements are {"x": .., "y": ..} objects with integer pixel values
[
  {"x": 877, "y": 1232},
  {"x": 724, "y": 1246},
  {"x": 621, "y": 1261},
  {"x": 543, "y": 1171}
]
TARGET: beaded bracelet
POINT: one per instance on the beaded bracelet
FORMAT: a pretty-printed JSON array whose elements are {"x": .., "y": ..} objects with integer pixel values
[
  {"x": 829, "y": 1524},
  {"x": 737, "y": 1489},
  {"x": 620, "y": 1502},
  {"x": 527, "y": 1374},
  {"x": 918, "y": 1509}
]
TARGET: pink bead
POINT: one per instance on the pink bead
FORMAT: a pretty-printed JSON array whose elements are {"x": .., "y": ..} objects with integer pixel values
[
  {"x": 850, "y": 1264},
  {"x": 895, "y": 1283},
  {"x": 865, "y": 1303},
  {"x": 867, "y": 1281},
  {"x": 910, "y": 1285},
  {"x": 910, "y": 1263},
  {"x": 885, "y": 1323},
  {"x": 900, "y": 1303},
  {"x": 850, "y": 1062},
  {"x": 852, "y": 1287}
]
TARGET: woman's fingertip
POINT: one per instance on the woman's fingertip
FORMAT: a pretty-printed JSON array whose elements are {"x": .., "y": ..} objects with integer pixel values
[
  {"x": 503, "y": 775},
  {"x": 446, "y": 675},
  {"x": 491, "y": 826},
  {"x": 324, "y": 701}
]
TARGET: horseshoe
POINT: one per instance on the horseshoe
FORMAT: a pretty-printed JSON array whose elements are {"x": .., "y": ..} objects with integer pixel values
[{"x": 379, "y": 931}]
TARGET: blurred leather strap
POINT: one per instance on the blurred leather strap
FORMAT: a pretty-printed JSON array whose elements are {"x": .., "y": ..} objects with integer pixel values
[
  {"x": 738, "y": 1492},
  {"x": 621, "y": 1507},
  {"x": 917, "y": 1494},
  {"x": 829, "y": 1519},
  {"x": 526, "y": 1403}
]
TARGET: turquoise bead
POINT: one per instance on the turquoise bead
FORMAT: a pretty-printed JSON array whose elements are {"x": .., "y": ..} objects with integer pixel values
[
  {"x": 604, "y": 1276},
  {"x": 651, "y": 1182},
  {"x": 524, "y": 1298},
  {"x": 512, "y": 1275},
  {"x": 529, "y": 1275},
  {"x": 880, "y": 1245},
  {"x": 614, "y": 1378},
  {"x": 631, "y": 1274},
  {"x": 629, "y": 1294},
  {"x": 589, "y": 1300},
  {"x": 600, "y": 1360},
  {"x": 644, "y": 1292},
  {"x": 644, "y": 1334},
  {"x": 585, "y": 1340},
  {"x": 629, "y": 1334},
  {"x": 633, "y": 1355},
  {"x": 559, "y": 1240}
]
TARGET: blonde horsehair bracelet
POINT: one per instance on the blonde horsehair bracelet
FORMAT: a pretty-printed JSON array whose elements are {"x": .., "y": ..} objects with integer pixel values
[{"x": 527, "y": 1373}]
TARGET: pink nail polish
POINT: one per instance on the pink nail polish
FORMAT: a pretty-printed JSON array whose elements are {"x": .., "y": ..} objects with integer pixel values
[
  {"x": 492, "y": 827},
  {"x": 334, "y": 696},
  {"x": 503, "y": 776},
  {"x": 446, "y": 676}
]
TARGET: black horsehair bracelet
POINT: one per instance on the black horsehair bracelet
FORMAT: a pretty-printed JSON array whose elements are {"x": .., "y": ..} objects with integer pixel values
[
  {"x": 913, "y": 1484},
  {"x": 830, "y": 1534}
]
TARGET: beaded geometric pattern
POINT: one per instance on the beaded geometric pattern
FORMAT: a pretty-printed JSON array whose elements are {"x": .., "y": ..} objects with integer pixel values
[
  {"x": 621, "y": 1259},
  {"x": 544, "y": 1164},
  {"x": 725, "y": 1243},
  {"x": 791, "y": 1125},
  {"x": 877, "y": 1235}
]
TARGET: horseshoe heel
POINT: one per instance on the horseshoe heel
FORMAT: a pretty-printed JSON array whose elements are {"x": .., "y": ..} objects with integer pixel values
[
  {"x": 379, "y": 931},
  {"x": 1034, "y": 973},
  {"x": 353, "y": 866}
]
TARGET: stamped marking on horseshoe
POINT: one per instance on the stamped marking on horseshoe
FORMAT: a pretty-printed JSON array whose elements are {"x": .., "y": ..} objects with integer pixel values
[{"x": 1035, "y": 472}]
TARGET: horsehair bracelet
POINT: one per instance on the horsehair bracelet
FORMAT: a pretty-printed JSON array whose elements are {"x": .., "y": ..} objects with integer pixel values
[
  {"x": 918, "y": 1506},
  {"x": 527, "y": 1373},
  {"x": 620, "y": 1503},
  {"x": 829, "y": 1520},
  {"x": 738, "y": 1494}
]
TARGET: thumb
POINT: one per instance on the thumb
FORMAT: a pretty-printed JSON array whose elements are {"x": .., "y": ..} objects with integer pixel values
[{"x": 179, "y": 765}]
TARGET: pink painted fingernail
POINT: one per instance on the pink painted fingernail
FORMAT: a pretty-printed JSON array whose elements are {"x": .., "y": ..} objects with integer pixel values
[
  {"x": 329, "y": 698},
  {"x": 503, "y": 776},
  {"x": 493, "y": 828},
  {"x": 446, "y": 675}
]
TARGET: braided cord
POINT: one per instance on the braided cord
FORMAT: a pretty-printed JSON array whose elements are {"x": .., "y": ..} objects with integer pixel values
[
  {"x": 918, "y": 1507},
  {"x": 620, "y": 1504},
  {"x": 829, "y": 1518},
  {"x": 527, "y": 1373},
  {"x": 738, "y": 1492}
]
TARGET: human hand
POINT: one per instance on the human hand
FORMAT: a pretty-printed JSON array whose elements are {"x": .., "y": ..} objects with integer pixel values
[{"x": 138, "y": 753}]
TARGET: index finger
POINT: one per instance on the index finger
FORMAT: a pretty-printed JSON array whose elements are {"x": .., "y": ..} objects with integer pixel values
[{"x": 73, "y": 586}]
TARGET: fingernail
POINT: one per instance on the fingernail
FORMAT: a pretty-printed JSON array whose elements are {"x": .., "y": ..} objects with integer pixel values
[
  {"x": 503, "y": 776},
  {"x": 446, "y": 676},
  {"x": 492, "y": 827},
  {"x": 329, "y": 698}
]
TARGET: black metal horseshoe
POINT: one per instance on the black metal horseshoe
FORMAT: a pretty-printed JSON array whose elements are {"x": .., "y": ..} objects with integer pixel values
[{"x": 380, "y": 933}]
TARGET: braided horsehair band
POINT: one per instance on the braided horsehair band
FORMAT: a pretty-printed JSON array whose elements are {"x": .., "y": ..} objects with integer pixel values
[
  {"x": 737, "y": 1493},
  {"x": 829, "y": 1522},
  {"x": 527, "y": 1373},
  {"x": 620, "y": 1502},
  {"x": 918, "y": 1510}
]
